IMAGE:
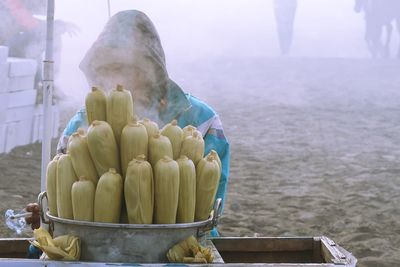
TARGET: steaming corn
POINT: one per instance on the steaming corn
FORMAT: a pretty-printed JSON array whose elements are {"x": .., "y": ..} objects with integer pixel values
[
  {"x": 166, "y": 190},
  {"x": 119, "y": 110},
  {"x": 81, "y": 160},
  {"x": 139, "y": 191},
  {"x": 193, "y": 147},
  {"x": 108, "y": 196},
  {"x": 207, "y": 180},
  {"x": 82, "y": 193},
  {"x": 103, "y": 147},
  {"x": 66, "y": 177},
  {"x": 96, "y": 105},
  {"x": 51, "y": 185},
  {"x": 151, "y": 127},
  {"x": 175, "y": 135},
  {"x": 216, "y": 157},
  {"x": 134, "y": 142},
  {"x": 189, "y": 130},
  {"x": 159, "y": 146},
  {"x": 187, "y": 190}
]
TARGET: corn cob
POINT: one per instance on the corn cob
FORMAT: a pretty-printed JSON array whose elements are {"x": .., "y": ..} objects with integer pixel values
[
  {"x": 108, "y": 197},
  {"x": 96, "y": 102},
  {"x": 119, "y": 110},
  {"x": 139, "y": 191},
  {"x": 207, "y": 180},
  {"x": 102, "y": 147},
  {"x": 81, "y": 160},
  {"x": 193, "y": 147},
  {"x": 83, "y": 199},
  {"x": 175, "y": 135},
  {"x": 187, "y": 190},
  {"x": 166, "y": 191},
  {"x": 134, "y": 142},
  {"x": 159, "y": 146},
  {"x": 66, "y": 177},
  {"x": 216, "y": 157},
  {"x": 51, "y": 185},
  {"x": 189, "y": 130},
  {"x": 151, "y": 127}
]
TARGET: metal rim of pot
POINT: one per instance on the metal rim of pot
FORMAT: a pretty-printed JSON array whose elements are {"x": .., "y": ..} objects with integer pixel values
[{"x": 206, "y": 225}]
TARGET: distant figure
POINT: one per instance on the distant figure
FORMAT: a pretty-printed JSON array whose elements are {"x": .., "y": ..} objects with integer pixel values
[
  {"x": 285, "y": 11},
  {"x": 25, "y": 34},
  {"x": 380, "y": 17}
]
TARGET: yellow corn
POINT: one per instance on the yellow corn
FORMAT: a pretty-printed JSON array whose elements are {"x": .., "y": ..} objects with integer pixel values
[
  {"x": 119, "y": 110},
  {"x": 175, "y": 135},
  {"x": 81, "y": 160},
  {"x": 66, "y": 177},
  {"x": 83, "y": 199},
  {"x": 96, "y": 105},
  {"x": 187, "y": 190},
  {"x": 207, "y": 180},
  {"x": 134, "y": 142},
  {"x": 166, "y": 191},
  {"x": 139, "y": 192},
  {"x": 102, "y": 147},
  {"x": 108, "y": 197}
]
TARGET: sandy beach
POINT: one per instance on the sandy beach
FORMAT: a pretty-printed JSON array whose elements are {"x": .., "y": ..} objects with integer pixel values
[{"x": 315, "y": 150}]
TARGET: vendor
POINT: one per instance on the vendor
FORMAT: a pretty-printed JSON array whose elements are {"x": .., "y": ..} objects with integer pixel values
[{"x": 128, "y": 51}]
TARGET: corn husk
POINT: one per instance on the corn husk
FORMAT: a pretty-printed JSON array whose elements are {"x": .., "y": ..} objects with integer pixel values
[
  {"x": 96, "y": 105},
  {"x": 66, "y": 177},
  {"x": 81, "y": 160},
  {"x": 102, "y": 147},
  {"x": 207, "y": 180},
  {"x": 119, "y": 110},
  {"x": 108, "y": 198},
  {"x": 187, "y": 191},
  {"x": 216, "y": 157},
  {"x": 189, "y": 130},
  {"x": 65, "y": 247},
  {"x": 83, "y": 192},
  {"x": 190, "y": 251},
  {"x": 134, "y": 142},
  {"x": 193, "y": 147},
  {"x": 159, "y": 146},
  {"x": 166, "y": 191},
  {"x": 151, "y": 127},
  {"x": 51, "y": 185},
  {"x": 139, "y": 191},
  {"x": 175, "y": 135}
]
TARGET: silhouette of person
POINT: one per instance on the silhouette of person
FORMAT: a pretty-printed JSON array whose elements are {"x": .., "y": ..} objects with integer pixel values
[{"x": 285, "y": 11}]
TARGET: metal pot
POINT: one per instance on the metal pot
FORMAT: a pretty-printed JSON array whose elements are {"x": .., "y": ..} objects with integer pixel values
[{"x": 140, "y": 243}]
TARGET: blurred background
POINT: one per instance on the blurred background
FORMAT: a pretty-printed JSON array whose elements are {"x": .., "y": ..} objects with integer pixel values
[{"x": 308, "y": 92}]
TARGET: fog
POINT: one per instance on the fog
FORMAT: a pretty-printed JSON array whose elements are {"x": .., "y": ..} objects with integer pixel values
[{"x": 207, "y": 30}]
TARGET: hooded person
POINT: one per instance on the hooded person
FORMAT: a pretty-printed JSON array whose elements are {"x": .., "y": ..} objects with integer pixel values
[{"x": 128, "y": 51}]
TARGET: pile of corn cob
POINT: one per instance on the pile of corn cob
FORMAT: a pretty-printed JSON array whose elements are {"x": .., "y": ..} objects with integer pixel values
[{"x": 128, "y": 171}]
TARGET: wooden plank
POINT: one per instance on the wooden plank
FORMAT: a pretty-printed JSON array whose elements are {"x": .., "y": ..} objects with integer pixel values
[
  {"x": 331, "y": 253},
  {"x": 13, "y": 247},
  {"x": 263, "y": 244},
  {"x": 317, "y": 256}
]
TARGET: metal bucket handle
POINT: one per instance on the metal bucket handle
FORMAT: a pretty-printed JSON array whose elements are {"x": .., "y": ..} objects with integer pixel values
[
  {"x": 41, "y": 196},
  {"x": 214, "y": 216}
]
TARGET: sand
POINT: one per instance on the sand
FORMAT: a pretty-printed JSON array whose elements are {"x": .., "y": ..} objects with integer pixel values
[{"x": 315, "y": 151}]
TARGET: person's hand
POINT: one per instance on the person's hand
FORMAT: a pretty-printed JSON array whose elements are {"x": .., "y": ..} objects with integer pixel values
[{"x": 34, "y": 219}]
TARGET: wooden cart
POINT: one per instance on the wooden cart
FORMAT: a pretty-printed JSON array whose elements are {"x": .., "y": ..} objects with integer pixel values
[{"x": 229, "y": 251}]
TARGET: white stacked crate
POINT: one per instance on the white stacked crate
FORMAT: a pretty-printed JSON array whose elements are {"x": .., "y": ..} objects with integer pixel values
[{"x": 21, "y": 120}]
